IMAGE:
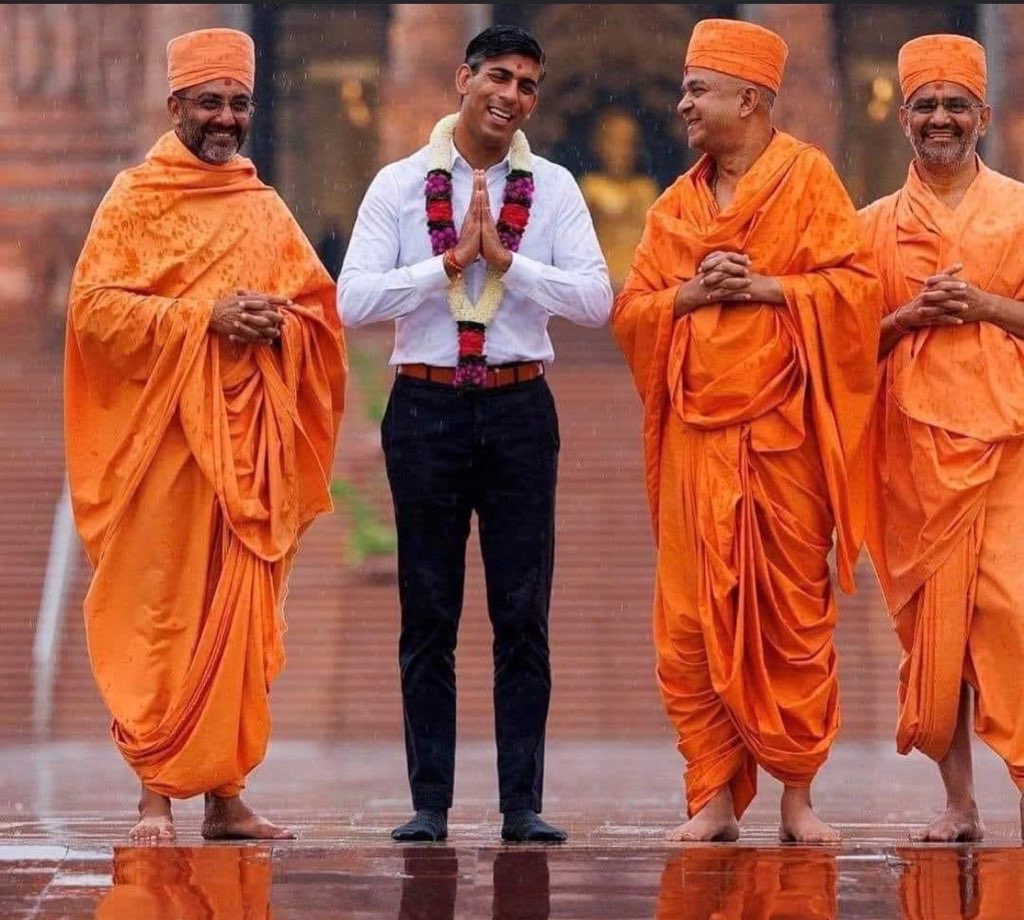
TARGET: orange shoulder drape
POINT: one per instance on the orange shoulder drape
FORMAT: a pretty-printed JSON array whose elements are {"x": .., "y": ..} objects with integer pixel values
[
  {"x": 754, "y": 421},
  {"x": 194, "y": 464}
]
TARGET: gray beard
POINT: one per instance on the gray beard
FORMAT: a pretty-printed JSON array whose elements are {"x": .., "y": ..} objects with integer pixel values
[
  {"x": 194, "y": 137},
  {"x": 948, "y": 156}
]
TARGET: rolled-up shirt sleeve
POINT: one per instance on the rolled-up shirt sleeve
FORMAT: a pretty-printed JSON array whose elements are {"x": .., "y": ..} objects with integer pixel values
[
  {"x": 371, "y": 287},
  {"x": 575, "y": 286}
]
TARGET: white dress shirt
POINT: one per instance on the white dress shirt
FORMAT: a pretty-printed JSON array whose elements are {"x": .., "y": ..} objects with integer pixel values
[{"x": 390, "y": 271}]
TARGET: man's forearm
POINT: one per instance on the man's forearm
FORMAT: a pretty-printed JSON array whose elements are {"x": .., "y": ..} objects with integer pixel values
[
  {"x": 581, "y": 295},
  {"x": 1006, "y": 313},
  {"x": 366, "y": 297}
]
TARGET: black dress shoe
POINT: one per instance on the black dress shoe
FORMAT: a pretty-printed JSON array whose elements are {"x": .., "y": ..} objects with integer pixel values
[
  {"x": 524, "y": 825},
  {"x": 430, "y": 824}
]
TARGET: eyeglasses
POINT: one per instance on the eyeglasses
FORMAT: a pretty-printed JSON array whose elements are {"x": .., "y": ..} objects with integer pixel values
[
  {"x": 213, "y": 105},
  {"x": 955, "y": 106}
]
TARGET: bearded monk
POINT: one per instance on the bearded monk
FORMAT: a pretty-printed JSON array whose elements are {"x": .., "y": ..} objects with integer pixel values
[
  {"x": 204, "y": 378},
  {"x": 945, "y": 525},
  {"x": 749, "y": 320}
]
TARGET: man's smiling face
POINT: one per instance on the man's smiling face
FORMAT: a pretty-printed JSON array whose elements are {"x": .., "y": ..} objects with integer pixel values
[
  {"x": 212, "y": 119},
  {"x": 498, "y": 98},
  {"x": 944, "y": 122}
]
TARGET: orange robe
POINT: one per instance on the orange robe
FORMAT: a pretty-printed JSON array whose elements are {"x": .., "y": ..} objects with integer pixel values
[
  {"x": 946, "y": 522},
  {"x": 748, "y": 883},
  {"x": 754, "y": 423},
  {"x": 194, "y": 463},
  {"x": 189, "y": 883},
  {"x": 953, "y": 883}
]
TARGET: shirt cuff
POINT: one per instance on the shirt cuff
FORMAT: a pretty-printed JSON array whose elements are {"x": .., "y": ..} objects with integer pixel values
[
  {"x": 429, "y": 276},
  {"x": 523, "y": 275}
]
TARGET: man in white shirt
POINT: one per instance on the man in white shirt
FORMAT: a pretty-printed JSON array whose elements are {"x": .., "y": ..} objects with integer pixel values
[{"x": 471, "y": 424}]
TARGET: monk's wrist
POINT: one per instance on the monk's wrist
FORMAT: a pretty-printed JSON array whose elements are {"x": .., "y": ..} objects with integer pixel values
[
  {"x": 683, "y": 304},
  {"x": 991, "y": 308},
  {"x": 767, "y": 289},
  {"x": 895, "y": 324}
]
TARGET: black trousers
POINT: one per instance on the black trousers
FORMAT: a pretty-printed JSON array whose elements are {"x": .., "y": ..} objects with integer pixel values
[{"x": 448, "y": 454}]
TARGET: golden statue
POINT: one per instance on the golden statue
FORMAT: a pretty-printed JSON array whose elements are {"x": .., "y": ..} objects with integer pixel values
[{"x": 618, "y": 196}]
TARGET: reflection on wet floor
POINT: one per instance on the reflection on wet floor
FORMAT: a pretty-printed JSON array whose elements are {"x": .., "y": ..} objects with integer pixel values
[
  {"x": 961, "y": 882},
  {"x": 62, "y": 853},
  {"x": 219, "y": 883},
  {"x": 726, "y": 883},
  {"x": 440, "y": 882}
]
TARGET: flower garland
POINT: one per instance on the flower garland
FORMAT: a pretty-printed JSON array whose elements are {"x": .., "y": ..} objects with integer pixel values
[{"x": 471, "y": 319}]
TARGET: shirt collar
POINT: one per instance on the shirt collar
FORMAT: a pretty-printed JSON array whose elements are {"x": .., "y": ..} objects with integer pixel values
[{"x": 505, "y": 163}]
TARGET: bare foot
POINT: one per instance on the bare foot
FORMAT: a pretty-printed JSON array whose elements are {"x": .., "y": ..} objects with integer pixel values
[
  {"x": 715, "y": 821},
  {"x": 155, "y": 822},
  {"x": 1022, "y": 818},
  {"x": 799, "y": 822},
  {"x": 232, "y": 819},
  {"x": 958, "y": 823}
]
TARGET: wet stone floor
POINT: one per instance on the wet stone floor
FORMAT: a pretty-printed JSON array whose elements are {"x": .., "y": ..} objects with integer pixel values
[{"x": 65, "y": 813}]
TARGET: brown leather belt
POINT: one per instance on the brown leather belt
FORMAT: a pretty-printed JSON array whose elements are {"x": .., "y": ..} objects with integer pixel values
[{"x": 501, "y": 375}]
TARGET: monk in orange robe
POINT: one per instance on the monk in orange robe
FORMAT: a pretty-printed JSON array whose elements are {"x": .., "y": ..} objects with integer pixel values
[
  {"x": 204, "y": 379},
  {"x": 946, "y": 508},
  {"x": 749, "y": 320}
]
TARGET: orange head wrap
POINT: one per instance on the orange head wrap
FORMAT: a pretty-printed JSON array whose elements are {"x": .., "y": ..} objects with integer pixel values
[
  {"x": 740, "y": 49},
  {"x": 951, "y": 58},
  {"x": 210, "y": 54}
]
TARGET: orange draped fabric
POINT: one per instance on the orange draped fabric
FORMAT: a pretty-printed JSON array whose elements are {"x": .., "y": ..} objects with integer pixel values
[
  {"x": 953, "y": 883},
  {"x": 734, "y": 883},
  {"x": 754, "y": 422},
  {"x": 945, "y": 528},
  {"x": 194, "y": 463},
  {"x": 189, "y": 883}
]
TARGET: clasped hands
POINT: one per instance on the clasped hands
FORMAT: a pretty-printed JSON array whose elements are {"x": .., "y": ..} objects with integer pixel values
[
  {"x": 478, "y": 237},
  {"x": 945, "y": 300},
  {"x": 249, "y": 317},
  {"x": 725, "y": 277}
]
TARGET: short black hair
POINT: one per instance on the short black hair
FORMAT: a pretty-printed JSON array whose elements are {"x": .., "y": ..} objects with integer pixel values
[{"x": 498, "y": 40}]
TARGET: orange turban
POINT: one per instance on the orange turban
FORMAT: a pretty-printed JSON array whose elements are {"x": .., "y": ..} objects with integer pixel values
[
  {"x": 210, "y": 54},
  {"x": 952, "y": 58},
  {"x": 740, "y": 49}
]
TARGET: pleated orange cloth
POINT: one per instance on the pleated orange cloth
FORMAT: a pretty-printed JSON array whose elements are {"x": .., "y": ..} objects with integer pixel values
[
  {"x": 754, "y": 425},
  {"x": 734, "y": 883},
  {"x": 194, "y": 463},
  {"x": 946, "y": 528},
  {"x": 189, "y": 883}
]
